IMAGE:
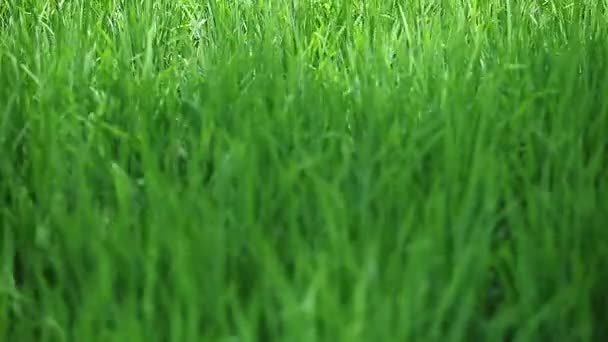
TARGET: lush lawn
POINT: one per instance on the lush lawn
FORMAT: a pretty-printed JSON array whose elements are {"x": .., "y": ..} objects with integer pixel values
[{"x": 303, "y": 170}]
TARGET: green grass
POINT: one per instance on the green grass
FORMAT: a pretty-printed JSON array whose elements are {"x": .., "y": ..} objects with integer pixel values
[{"x": 303, "y": 170}]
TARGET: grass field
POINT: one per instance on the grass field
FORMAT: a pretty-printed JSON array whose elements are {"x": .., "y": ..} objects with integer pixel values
[{"x": 303, "y": 170}]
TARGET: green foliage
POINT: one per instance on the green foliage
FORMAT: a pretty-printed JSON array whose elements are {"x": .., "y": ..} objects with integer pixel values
[{"x": 305, "y": 170}]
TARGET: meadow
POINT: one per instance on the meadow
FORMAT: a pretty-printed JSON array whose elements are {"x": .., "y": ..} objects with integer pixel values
[{"x": 303, "y": 170}]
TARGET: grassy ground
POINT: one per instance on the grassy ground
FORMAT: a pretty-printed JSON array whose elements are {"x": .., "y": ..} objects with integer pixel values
[{"x": 304, "y": 170}]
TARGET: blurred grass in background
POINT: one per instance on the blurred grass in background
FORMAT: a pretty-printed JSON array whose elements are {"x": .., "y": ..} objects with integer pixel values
[{"x": 304, "y": 170}]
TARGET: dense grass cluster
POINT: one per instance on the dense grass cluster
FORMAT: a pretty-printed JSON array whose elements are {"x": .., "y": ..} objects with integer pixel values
[{"x": 303, "y": 170}]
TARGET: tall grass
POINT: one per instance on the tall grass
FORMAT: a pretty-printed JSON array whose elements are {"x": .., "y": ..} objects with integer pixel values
[{"x": 303, "y": 170}]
